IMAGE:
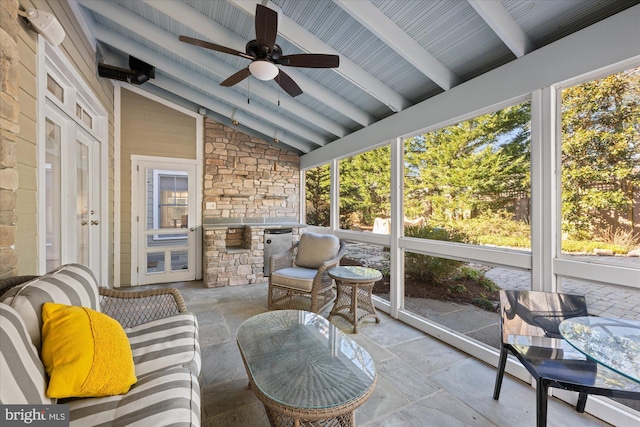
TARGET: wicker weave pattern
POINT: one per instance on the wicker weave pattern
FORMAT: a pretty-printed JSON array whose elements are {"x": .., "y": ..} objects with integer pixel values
[
  {"x": 132, "y": 308},
  {"x": 321, "y": 295}
]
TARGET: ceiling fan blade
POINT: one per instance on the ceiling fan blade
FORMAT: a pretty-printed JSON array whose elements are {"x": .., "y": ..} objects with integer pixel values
[
  {"x": 266, "y": 26},
  {"x": 310, "y": 60},
  {"x": 212, "y": 46},
  {"x": 236, "y": 78},
  {"x": 287, "y": 84}
]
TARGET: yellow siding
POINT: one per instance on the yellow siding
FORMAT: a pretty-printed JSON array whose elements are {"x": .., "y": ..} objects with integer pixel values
[{"x": 149, "y": 129}]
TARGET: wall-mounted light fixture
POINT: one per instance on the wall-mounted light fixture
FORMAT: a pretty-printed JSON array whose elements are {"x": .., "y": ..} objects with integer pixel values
[{"x": 44, "y": 23}]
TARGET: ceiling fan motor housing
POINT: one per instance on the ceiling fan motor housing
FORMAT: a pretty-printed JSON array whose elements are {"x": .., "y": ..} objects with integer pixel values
[{"x": 262, "y": 52}]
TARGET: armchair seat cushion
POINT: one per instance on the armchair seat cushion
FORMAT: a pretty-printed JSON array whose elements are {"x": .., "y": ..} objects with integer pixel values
[{"x": 298, "y": 278}]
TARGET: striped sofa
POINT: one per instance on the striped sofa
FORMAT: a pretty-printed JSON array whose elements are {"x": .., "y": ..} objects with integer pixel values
[{"x": 163, "y": 338}]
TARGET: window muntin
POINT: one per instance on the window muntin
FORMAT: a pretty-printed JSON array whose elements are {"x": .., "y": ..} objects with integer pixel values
[
  {"x": 318, "y": 195},
  {"x": 473, "y": 179}
]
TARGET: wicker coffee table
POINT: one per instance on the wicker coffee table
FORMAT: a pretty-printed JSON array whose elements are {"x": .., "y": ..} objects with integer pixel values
[
  {"x": 353, "y": 301},
  {"x": 304, "y": 370}
]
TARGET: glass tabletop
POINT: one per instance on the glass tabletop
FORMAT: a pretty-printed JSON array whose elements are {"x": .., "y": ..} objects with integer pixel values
[
  {"x": 613, "y": 342},
  {"x": 355, "y": 274},
  {"x": 299, "y": 359}
]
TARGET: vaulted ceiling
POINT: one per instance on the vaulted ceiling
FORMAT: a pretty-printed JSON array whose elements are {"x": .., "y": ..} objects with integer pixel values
[{"x": 393, "y": 54}]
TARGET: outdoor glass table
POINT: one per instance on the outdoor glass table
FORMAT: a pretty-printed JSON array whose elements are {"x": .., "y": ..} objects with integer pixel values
[
  {"x": 303, "y": 369},
  {"x": 614, "y": 343}
]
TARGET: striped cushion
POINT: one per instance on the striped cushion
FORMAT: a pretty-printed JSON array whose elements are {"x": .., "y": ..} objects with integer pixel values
[
  {"x": 22, "y": 376},
  {"x": 170, "y": 397},
  {"x": 71, "y": 284},
  {"x": 163, "y": 343}
]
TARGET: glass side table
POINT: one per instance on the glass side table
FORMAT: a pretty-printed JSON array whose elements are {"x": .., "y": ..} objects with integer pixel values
[
  {"x": 353, "y": 302},
  {"x": 614, "y": 343}
]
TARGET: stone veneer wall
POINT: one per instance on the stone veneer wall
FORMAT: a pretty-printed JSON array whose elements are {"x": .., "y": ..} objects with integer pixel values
[
  {"x": 244, "y": 178},
  {"x": 9, "y": 129}
]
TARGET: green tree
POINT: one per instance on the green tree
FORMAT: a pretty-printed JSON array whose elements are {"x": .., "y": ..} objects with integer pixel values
[
  {"x": 600, "y": 152},
  {"x": 365, "y": 185},
  {"x": 318, "y": 195},
  {"x": 473, "y": 166}
]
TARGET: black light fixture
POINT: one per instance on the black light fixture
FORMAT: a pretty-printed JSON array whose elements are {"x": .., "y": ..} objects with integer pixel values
[{"x": 139, "y": 73}]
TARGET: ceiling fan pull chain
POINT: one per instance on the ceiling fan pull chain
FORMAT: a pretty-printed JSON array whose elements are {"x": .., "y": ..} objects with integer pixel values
[{"x": 248, "y": 90}]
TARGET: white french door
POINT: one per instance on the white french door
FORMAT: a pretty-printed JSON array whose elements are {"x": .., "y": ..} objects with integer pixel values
[
  {"x": 72, "y": 194},
  {"x": 163, "y": 221}
]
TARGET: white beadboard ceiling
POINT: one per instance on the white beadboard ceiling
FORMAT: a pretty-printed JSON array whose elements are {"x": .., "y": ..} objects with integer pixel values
[{"x": 393, "y": 54}]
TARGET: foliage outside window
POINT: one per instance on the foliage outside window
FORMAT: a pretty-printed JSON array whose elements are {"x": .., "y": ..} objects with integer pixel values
[
  {"x": 318, "y": 195},
  {"x": 365, "y": 186},
  {"x": 473, "y": 178},
  {"x": 601, "y": 164}
]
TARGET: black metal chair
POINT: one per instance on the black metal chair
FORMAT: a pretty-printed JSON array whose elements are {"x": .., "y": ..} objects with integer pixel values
[{"x": 529, "y": 323}]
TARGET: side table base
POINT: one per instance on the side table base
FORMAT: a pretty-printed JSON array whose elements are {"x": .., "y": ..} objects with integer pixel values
[{"x": 354, "y": 308}]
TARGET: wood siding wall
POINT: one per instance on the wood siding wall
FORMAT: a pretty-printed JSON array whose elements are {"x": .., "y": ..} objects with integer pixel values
[
  {"x": 149, "y": 129},
  {"x": 81, "y": 54}
]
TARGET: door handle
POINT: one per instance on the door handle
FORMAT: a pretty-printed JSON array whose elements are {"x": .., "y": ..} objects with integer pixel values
[
  {"x": 83, "y": 222},
  {"x": 191, "y": 229},
  {"x": 94, "y": 222}
]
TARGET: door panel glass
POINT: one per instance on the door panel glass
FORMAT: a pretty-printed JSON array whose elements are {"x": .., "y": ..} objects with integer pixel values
[
  {"x": 179, "y": 260},
  {"x": 82, "y": 200},
  {"x": 53, "y": 134},
  {"x": 155, "y": 262},
  {"x": 167, "y": 197}
]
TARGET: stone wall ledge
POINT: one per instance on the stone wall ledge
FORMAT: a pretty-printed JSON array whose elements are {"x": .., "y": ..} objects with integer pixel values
[{"x": 253, "y": 225}]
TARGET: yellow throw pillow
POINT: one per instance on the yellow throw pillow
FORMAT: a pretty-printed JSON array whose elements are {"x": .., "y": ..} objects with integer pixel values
[{"x": 85, "y": 353}]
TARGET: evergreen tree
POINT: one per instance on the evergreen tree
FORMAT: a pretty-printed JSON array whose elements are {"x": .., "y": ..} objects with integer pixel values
[
  {"x": 365, "y": 185},
  {"x": 600, "y": 153},
  {"x": 318, "y": 195},
  {"x": 474, "y": 166}
]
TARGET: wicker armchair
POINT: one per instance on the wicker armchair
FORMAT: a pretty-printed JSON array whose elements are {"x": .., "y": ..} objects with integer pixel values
[
  {"x": 299, "y": 279},
  {"x": 132, "y": 308}
]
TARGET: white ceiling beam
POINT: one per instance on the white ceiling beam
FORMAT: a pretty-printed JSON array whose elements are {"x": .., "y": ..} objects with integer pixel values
[
  {"x": 258, "y": 125},
  {"x": 196, "y": 55},
  {"x": 503, "y": 24},
  {"x": 175, "y": 69},
  {"x": 386, "y": 30},
  {"x": 306, "y": 41},
  {"x": 601, "y": 45},
  {"x": 219, "y": 34}
]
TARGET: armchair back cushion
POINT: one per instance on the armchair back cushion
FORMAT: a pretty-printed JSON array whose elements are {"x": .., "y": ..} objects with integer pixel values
[
  {"x": 72, "y": 284},
  {"x": 315, "y": 249},
  {"x": 24, "y": 380}
]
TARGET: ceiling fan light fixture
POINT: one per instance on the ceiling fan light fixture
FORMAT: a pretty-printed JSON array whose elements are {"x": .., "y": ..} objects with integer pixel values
[{"x": 263, "y": 70}]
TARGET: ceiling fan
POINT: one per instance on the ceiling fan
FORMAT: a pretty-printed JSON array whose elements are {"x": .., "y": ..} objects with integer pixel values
[{"x": 265, "y": 54}]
